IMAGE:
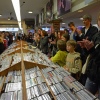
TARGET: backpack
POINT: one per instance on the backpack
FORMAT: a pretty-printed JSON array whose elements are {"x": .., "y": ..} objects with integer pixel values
[{"x": 78, "y": 74}]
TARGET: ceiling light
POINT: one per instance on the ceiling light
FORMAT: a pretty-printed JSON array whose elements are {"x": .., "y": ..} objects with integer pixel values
[
  {"x": 8, "y": 18},
  {"x": 81, "y": 18},
  {"x": 30, "y": 12},
  {"x": 80, "y": 10},
  {"x": 63, "y": 23},
  {"x": 16, "y": 5},
  {"x": 19, "y": 23},
  {"x": 0, "y": 15}
]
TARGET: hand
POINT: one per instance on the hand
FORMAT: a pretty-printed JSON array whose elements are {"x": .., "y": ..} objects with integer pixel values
[
  {"x": 50, "y": 40},
  {"x": 78, "y": 31},
  {"x": 81, "y": 43},
  {"x": 88, "y": 44},
  {"x": 67, "y": 69}
]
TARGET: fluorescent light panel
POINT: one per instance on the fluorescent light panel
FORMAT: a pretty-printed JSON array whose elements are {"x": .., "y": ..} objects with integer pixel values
[
  {"x": 16, "y": 5},
  {"x": 30, "y": 12}
]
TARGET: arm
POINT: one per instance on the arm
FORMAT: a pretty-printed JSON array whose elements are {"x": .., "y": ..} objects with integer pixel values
[{"x": 56, "y": 58}]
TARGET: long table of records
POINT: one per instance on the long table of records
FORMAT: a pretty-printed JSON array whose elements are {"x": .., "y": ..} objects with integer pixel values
[{"x": 44, "y": 80}]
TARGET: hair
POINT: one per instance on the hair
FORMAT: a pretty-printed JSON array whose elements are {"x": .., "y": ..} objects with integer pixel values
[
  {"x": 67, "y": 31},
  {"x": 61, "y": 45},
  {"x": 87, "y": 16},
  {"x": 66, "y": 36},
  {"x": 71, "y": 23},
  {"x": 44, "y": 33},
  {"x": 39, "y": 28},
  {"x": 72, "y": 43}
]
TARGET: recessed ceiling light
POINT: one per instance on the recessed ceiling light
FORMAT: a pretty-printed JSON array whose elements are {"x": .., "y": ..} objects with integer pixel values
[
  {"x": 0, "y": 15},
  {"x": 81, "y": 18},
  {"x": 80, "y": 10},
  {"x": 63, "y": 23},
  {"x": 30, "y": 12}
]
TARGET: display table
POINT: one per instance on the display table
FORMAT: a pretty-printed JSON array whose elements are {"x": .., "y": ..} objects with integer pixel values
[{"x": 28, "y": 74}]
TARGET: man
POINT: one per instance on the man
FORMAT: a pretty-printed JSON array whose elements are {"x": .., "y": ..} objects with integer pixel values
[
  {"x": 87, "y": 32},
  {"x": 93, "y": 65},
  {"x": 73, "y": 34}
]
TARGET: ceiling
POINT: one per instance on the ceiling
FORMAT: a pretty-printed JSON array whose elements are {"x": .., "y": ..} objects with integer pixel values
[
  {"x": 26, "y": 5},
  {"x": 36, "y": 5}
]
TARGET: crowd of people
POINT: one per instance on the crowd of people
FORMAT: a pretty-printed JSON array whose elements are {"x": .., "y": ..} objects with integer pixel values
[
  {"x": 6, "y": 38},
  {"x": 77, "y": 51}
]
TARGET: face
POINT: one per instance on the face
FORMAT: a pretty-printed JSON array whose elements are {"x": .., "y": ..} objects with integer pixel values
[
  {"x": 69, "y": 48},
  {"x": 63, "y": 38},
  {"x": 71, "y": 27},
  {"x": 55, "y": 34},
  {"x": 39, "y": 31},
  {"x": 86, "y": 22},
  {"x": 42, "y": 33},
  {"x": 38, "y": 36}
]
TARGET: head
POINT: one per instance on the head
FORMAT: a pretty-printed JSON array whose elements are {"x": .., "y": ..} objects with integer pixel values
[
  {"x": 87, "y": 20},
  {"x": 71, "y": 45},
  {"x": 43, "y": 33},
  {"x": 30, "y": 33},
  {"x": 71, "y": 25},
  {"x": 66, "y": 31},
  {"x": 39, "y": 30},
  {"x": 61, "y": 45},
  {"x": 65, "y": 37},
  {"x": 98, "y": 20}
]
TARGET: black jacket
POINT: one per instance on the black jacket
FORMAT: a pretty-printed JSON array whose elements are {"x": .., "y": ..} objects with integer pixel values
[
  {"x": 90, "y": 33},
  {"x": 93, "y": 66},
  {"x": 44, "y": 44}
]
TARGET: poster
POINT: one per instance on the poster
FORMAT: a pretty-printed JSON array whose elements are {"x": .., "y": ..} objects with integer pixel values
[{"x": 63, "y": 6}]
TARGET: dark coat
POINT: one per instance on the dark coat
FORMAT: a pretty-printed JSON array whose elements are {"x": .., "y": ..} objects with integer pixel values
[
  {"x": 89, "y": 34},
  {"x": 93, "y": 66},
  {"x": 44, "y": 44}
]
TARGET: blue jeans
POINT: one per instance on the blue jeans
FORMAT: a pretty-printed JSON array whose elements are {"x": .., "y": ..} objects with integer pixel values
[{"x": 92, "y": 87}]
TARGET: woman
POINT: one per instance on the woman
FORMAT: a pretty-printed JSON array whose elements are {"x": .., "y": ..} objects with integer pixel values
[{"x": 44, "y": 42}]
